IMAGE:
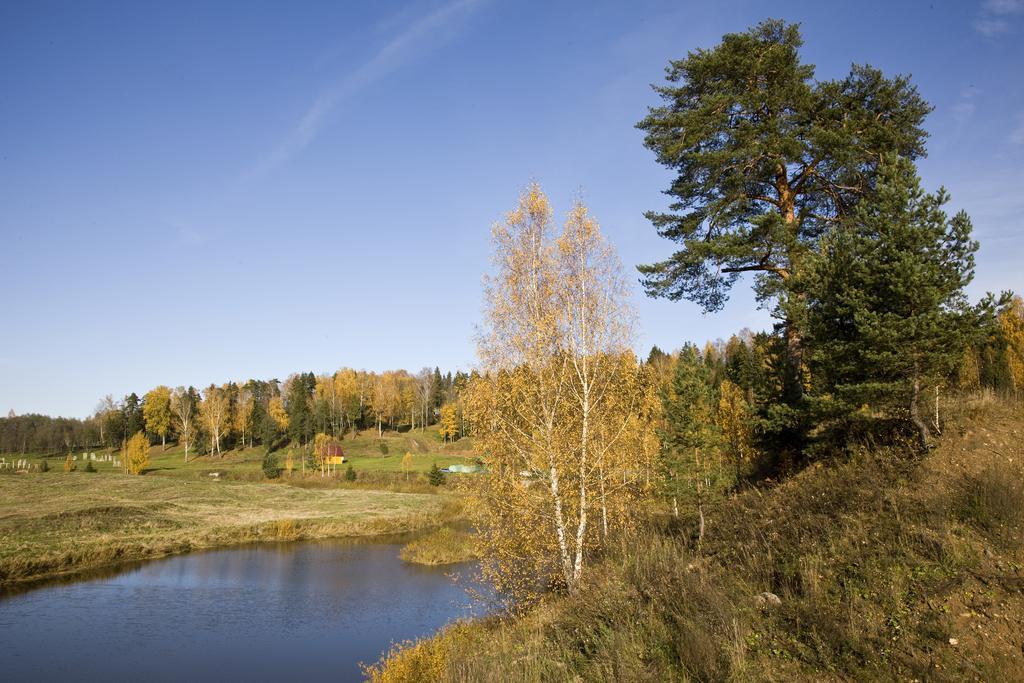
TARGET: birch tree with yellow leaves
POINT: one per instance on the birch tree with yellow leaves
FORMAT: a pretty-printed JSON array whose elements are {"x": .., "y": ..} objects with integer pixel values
[
  {"x": 734, "y": 422},
  {"x": 184, "y": 408},
  {"x": 275, "y": 408},
  {"x": 213, "y": 411},
  {"x": 156, "y": 411},
  {"x": 555, "y": 410},
  {"x": 448, "y": 425},
  {"x": 1011, "y": 323},
  {"x": 244, "y": 407}
]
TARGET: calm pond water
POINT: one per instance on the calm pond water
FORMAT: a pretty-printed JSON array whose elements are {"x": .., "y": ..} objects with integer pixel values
[{"x": 290, "y": 611}]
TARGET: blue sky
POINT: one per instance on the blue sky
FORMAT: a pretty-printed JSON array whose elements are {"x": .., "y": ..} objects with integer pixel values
[{"x": 197, "y": 192}]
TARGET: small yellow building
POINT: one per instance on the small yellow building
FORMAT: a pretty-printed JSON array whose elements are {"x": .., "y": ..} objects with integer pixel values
[{"x": 330, "y": 451}]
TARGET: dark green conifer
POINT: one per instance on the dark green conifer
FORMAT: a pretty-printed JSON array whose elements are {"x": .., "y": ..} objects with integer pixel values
[
  {"x": 886, "y": 306},
  {"x": 766, "y": 159}
]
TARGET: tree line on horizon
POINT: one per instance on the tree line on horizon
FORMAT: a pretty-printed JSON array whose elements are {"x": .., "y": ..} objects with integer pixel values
[{"x": 256, "y": 412}]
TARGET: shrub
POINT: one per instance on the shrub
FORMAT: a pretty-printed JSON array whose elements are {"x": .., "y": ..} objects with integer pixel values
[
  {"x": 89, "y": 466},
  {"x": 136, "y": 453},
  {"x": 270, "y": 468},
  {"x": 383, "y": 445},
  {"x": 423, "y": 660},
  {"x": 44, "y": 466},
  {"x": 435, "y": 476},
  {"x": 350, "y": 474},
  {"x": 69, "y": 464}
]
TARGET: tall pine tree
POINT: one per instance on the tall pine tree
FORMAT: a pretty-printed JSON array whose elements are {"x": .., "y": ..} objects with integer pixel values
[{"x": 767, "y": 160}]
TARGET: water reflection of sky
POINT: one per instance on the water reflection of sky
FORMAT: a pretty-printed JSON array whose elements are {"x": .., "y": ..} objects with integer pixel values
[{"x": 254, "y": 613}]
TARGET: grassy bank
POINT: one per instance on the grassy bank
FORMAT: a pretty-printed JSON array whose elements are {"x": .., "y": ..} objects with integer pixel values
[
  {"x": 55, "y": 522},
  {"x": 443, "y": 546},
  {"x": 884, "y": 566}
]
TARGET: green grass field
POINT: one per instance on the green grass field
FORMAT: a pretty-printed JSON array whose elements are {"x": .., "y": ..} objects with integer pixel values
[
  {"x": 59, "y": 522},
  {"x": 363, "y": 453},
  {"x": 56, "y": 522}
]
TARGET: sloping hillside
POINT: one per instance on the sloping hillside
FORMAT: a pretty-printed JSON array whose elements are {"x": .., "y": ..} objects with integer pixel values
[{"x": 883, "y": 567}]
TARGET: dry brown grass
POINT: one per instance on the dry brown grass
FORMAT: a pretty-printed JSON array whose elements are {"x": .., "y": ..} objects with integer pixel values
[
  {"x": 443, "y": 546},
  {"x": 52, "y": 524},
  {"x": 878, "y": 560}
]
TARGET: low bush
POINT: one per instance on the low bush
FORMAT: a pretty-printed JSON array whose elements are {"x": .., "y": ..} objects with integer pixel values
[
  {"x": 435, "y": 477},
  {"x": 425, "y": 660},
  {"x": 270, "y": 466}
]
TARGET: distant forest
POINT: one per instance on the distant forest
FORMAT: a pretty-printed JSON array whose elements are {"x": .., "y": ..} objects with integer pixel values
[
  {"x": 271, "y": 412},
  {"x": 265, "y": 412}
]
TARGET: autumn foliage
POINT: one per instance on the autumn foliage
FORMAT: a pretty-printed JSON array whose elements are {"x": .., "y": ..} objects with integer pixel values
[
  {"x": 557, "y": 412},
  {"x": 136, "y": 454}
]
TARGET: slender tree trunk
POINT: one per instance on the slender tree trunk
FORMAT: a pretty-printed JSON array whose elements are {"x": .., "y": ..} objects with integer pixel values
[
  {"x": 700, "y": 529},
  {"x": 563, "y": 547},
  {"x": 163, "y": 439},
  {"x": 604, "y": 503},
  {"x": 581, "y": 527},
  {"x": 915, "y": 414},
  {"x": 581, "y": 530}
]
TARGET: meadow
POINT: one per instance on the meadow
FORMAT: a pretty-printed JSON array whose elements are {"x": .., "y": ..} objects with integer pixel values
[
  {"x": 59, "y": 522},
  {"x": 364, "y": 453}
]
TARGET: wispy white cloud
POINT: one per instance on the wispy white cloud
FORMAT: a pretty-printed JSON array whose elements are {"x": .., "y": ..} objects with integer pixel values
[
  {"x": 995, "y": 16},
  {"x": 420, "y": 35},
  {"x": 965, "y": 106},
  {"x": 1017, "y": 134}
]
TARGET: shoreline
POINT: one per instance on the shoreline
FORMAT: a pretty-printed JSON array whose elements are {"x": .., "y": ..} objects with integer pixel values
[
  {"x": 63, "y": 528},
  {"x": 126, "y": 560},
  {"x": 76, "y": 574}
]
